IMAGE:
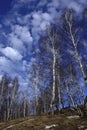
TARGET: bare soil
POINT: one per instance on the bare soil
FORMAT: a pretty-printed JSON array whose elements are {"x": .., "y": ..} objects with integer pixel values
[{"x": 63, "y": 121}]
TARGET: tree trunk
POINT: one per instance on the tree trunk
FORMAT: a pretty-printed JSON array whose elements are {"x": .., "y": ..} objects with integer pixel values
[
  {"x": 70, "y": 99},
  {"x": 24, "y": 109},
  {"x": 74, "y": 43},
  {"x": 2, "y": 88},
  {"x": 36, "y": 95},
  {"x": 53, "y": 87},
  {"x": 59, "y": 92}
]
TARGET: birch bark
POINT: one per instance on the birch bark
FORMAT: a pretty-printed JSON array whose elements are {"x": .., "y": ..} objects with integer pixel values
[
  {"x": 74, "y": 43},
  {"x": 52, "y": 40}
]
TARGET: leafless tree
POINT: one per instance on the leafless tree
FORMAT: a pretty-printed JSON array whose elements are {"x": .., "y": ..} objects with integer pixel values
[
  {"x": 13, "y": 93},
  {"x": 50, "y": 46},
  {"x": 72, "y": 33}
]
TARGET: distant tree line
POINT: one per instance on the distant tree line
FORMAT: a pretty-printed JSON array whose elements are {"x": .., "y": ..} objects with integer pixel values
[{"x": 10, "y": 106}]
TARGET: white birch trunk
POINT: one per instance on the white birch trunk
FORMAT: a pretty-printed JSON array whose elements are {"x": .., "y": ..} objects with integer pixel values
[
  {"x": 36, "y": 95},
  {"x": 83, "y": 95},
  {"x": 73, "y": 88},
  {"x": 24, "y": 110},
  {"x": 59, "y": 82},
  {"x": 2, "y": 89},
  {"x": 52, "y": 40},
  {"x": 53, "y": 87},
  {"x": 75, "y": 47},
  {"x": 12, "y": 99},
  {"x": 68, "y": 93},
  {"x": 59, "y": 91}
]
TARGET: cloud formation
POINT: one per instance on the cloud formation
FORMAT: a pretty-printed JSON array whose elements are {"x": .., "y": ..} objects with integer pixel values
[
  {"x": 11, "y": 53},
  {"x": 21, "y": 28}
]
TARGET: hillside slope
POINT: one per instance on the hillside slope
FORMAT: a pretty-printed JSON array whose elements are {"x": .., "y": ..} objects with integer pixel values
[{"x": 58, "y": 122}]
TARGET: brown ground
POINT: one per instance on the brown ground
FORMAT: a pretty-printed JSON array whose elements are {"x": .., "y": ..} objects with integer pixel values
[{"x": 40, "y": 122}]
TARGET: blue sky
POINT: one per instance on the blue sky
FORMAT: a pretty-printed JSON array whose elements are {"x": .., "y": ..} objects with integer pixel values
[{"x": 21, "y": 21}]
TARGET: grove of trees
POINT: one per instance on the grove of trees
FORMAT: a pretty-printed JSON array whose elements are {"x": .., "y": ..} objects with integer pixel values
[{"x": 56, "y": 72}]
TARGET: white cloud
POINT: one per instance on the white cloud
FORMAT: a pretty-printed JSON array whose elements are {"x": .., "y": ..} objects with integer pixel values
[
  {"x": 42, "y": 3},
  {"x": 11, "y": 53},
  {"x": 77, "y": 7},
  {"x": 24, "y": 20},
  {"x": 39, "y": 22},
  {"x": 55, "y": 4},
  {"x": 23, "y": 33},
  {"x": 5, "y": 65},
  {"x": 15, "y": 42},
  {"x": 14, "y": 69},
  {"x": 24, "y": 65},
  {"x": 3, "y": 61},
  {"x": 46, "y": 16},
  {"x": 43, "y": 25},
  {"x": 39, "y": 17},
  {"x": 20, "y": 38},
  {"x": 82, "y": 1}
]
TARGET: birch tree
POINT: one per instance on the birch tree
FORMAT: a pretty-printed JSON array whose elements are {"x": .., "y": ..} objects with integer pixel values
[
  {"x": 50, "y": 46},
  {"x": 3, "y": 86},
  {"x": 4, "y": 95},
  {"x": 13, "y": 93},
  {"x": 34, "y": 80},
  {"x": 58, "y": 77},
  {"x": 72, "y": 32},
  {"x": 70, "y": 99},
  {"x": 54, "y": 70}
]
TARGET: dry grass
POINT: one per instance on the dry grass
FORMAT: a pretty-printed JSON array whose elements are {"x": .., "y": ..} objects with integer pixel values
[
  {"x": 8, "y": 123},
  {"x": 39, "y": 123}
]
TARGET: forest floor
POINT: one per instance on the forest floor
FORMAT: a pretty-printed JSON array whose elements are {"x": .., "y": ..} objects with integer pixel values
[{"x": 64, "y": 121}]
